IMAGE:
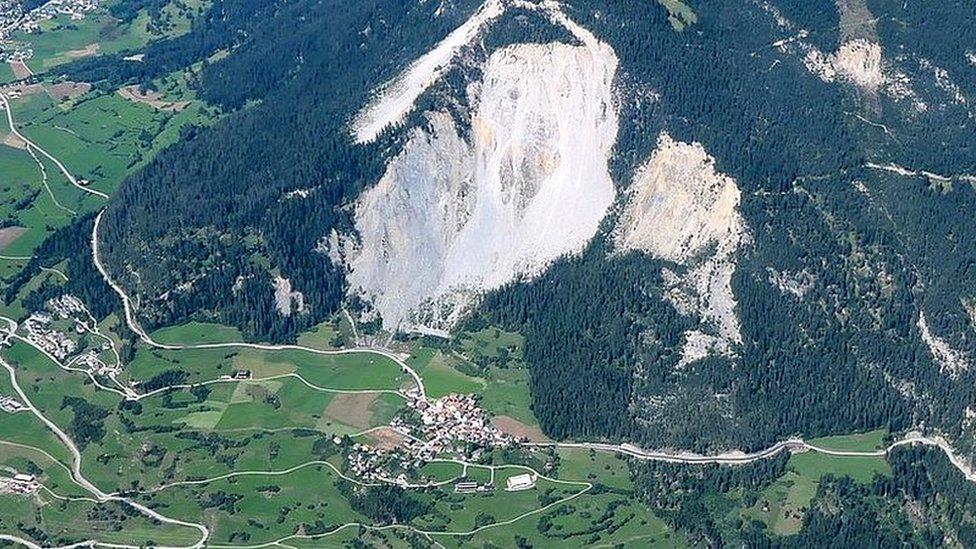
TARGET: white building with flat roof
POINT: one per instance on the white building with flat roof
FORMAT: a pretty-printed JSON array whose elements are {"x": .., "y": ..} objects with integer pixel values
[{"x": 520, "y": 482}]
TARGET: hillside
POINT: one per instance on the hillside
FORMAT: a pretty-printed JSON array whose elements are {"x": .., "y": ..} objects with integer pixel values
[
  {"x": 700, "y": 229},
  {"x": 794, "y": 271}
]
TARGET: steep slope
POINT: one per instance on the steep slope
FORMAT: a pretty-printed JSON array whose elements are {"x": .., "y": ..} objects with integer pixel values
[
  {"x": 683, "y": 211},
  {"x": 396, "y": 98},
  {"x": 451, "y": 219}
]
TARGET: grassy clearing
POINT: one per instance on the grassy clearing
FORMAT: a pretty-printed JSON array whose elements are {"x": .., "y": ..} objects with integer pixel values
[
  {"x": 857, "y": 442},
  {"x": 439, "y": 372},
  {"x": 322, "y": 336},
  {"x": 680, "y": 15},
  {"x": 491, "y": 344},
  {"x": 193, "y": 333},
  {"x": 596, "y": 467},
  {"x": 862, "y": 469},
  {"x": 507, "y": 394},
  {"x": 782, "y": 505}
]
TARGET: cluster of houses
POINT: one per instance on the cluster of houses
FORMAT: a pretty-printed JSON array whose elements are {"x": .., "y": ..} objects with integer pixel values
[
  {"x": 90, "y": 361},
  {"x": 451, "y": 425},
  {"x": 20, "y": 484},
  {"x": 10, "y": 405},
  {"x": 13, "y": 18},
  {"x": 41, "y": 332},
  {"x": 60, "y": 330},
  {"x": 377, "y": 464}
]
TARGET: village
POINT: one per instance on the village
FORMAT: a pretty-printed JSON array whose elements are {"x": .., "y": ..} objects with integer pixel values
[
  {"x": 66, "y": 331},
  {"x": 453, "y": 425},
  {"x": 14, "y": 19}
]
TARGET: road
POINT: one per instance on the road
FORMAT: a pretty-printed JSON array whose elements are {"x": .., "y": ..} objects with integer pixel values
[
  {"x": 78, "y": 477},
  {"x": 133, "y": 323},
  {"x": 793, "y": 445},
  {"x": 49, "y": 156}
]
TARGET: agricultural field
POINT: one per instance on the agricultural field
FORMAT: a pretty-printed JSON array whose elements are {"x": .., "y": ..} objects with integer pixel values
[{"x": 100, "y": 137}]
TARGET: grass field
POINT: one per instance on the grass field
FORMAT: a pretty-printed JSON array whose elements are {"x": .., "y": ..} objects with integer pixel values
[
  {"x": 319, "y": 337},
  {"x": 193, "y": 333},
  {"x": 782, "y": 505},
  {"x": 71, "y": 522},
  {"x": 857, "y": 442},
  {"x": 507, "y": 394},
  {"x": 259, "y": 509},
  {"x": 440, "y": 374},
  {"x": 101, "y": 137},
  {"x": 6, "y": 73},
  {"x": 491, "y": 343},
  {"x": 680, "y": 15}
]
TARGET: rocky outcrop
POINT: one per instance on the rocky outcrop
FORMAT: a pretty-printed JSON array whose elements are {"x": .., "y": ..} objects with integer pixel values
[{"x": 682, "y": 210}]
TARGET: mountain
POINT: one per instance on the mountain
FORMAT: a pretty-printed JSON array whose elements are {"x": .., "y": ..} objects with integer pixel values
[{"x": 716, "y": 227}]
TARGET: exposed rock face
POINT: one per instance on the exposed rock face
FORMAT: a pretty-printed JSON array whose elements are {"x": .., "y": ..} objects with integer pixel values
[
  {"x": 951, "y": 361},
  {"x": 451, "y": 219},
  {"x": 396, "y": 98},
  {"x": 285, "y": 297},
  {"x": 859, "y": 61},
  {"x": 684, "y": 211}
]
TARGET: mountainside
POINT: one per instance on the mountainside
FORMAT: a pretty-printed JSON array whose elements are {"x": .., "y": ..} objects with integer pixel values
[
  {"x": 714, "y": 230},
  {"x": 450, "y": 220}
]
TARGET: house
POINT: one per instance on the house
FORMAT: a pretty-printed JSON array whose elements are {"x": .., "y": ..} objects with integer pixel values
[
  {"x": 466, "y": 487},
  {"x": 242, "y": 375}
]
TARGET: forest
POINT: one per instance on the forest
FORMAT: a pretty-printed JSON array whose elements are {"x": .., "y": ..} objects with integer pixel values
[
  {"x": 843, "y": 512},
  {"x": 202, "y": 231}
]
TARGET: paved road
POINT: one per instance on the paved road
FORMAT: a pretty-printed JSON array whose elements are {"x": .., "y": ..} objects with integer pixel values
[{"x": 793, "y": 445}]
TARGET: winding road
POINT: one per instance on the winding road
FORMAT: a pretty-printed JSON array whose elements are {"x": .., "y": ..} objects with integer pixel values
[
  {"x": 75, "y": 468},
  {"x": 133, "y": 323}
]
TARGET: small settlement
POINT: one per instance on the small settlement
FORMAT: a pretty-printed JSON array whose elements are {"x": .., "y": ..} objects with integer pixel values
[
  {"x": 14, "y": 19},
  {"x": 453, "y": 425}
]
